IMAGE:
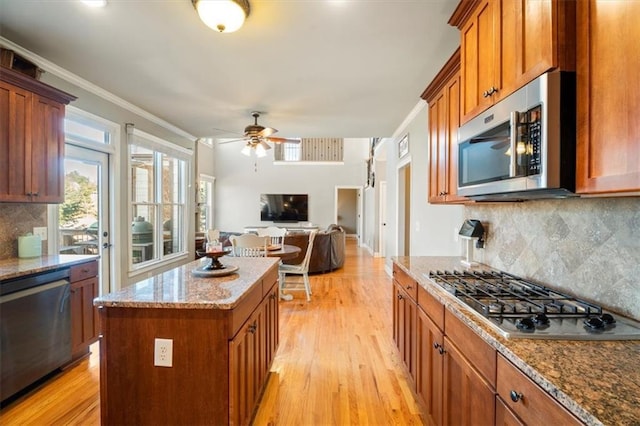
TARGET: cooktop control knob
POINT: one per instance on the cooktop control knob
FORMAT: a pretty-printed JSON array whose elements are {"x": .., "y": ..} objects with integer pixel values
[
  {"x": 525, "y": 324},
  {"x": 594, "y": 323},
  {"x": 608, "y": 319},
  {"x": 541, "y": 319}
]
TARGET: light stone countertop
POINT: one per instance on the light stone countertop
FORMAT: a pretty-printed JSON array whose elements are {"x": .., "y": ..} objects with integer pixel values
[
  {"x": 19, "y": 267},
  {"x": 598, "y": 381},
  {"x": 178, "y": 288}
]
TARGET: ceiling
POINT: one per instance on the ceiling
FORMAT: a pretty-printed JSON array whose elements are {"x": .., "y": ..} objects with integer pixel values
[{"x": 315, "y": 68}]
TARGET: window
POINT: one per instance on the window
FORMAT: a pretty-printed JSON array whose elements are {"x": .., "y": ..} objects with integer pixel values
[
  {"x": 158, "y": 199},
  {"x": 205, "y": 203},
  {"x": 310, "y": 150}
]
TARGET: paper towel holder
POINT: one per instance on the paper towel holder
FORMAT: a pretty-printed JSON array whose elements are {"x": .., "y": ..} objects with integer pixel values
[{"x": 470, "y": 231}]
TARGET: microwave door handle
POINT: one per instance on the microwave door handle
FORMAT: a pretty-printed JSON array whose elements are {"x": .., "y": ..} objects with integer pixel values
[
  {"x": 488, "y": 139},
  {"x": 513, "y": 133}
]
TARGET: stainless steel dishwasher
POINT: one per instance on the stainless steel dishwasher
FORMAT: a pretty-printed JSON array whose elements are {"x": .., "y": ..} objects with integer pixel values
[{"x": 35, "y": 328}]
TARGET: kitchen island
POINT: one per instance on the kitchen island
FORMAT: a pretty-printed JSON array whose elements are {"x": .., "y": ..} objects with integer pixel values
[
  {"x": 180, "y": 349},
  {"x": 597, "y": 382}
]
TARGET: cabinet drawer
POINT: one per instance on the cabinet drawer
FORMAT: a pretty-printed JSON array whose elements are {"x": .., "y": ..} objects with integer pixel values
[
  {"x": 477, "y": 351},
  {"x": 532, "y": 404},
  {"x": 409, "y": 285},
  {"x": 83, "y": 271},
  {"x": 431, "y": 306}
]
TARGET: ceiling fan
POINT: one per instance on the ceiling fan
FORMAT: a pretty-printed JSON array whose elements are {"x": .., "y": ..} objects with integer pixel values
[{"x": 257, "y": 136}]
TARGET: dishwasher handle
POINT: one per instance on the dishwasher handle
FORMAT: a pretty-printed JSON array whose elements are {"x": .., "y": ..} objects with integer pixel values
[{"x": 33, "y": 290}]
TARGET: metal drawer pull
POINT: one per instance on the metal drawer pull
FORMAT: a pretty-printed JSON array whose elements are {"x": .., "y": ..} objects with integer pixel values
[{"x": 516, "y": 396}]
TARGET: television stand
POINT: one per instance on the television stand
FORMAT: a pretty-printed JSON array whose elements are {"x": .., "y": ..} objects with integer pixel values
[{"x": 287, "y": 226}]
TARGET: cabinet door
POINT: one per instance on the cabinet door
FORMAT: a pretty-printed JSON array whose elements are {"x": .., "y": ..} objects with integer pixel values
[
  {"x": 15, "y": 134},
  {"x": 272, "y": 331},
  {"x": 468, "y": 398},
  {"x": 437, "y": 148},
  {"x": 84, "y": 316},
  {"x": 608, "y": 93},
  {"x": 430, "y": 361},
  {"x": 479, "y": 59},
  {"x": 504, "y": 416},
  {"x": 242, "y": 373},
  {"x": 47, "y": 151},
  {"x": 405, "y": 317}
]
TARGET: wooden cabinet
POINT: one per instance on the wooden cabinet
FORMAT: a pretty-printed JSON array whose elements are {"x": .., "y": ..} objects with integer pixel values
[
  {"x": 526, "y": 401},
  {"x": 31, "y": 139},
  {"x": 251, "y": 353},
  {"x": 443, "y": 97},
  {"x": 608, "y": 135},
  {"x": 221, "y": 359},
  {"x": 84, "y": 316},
  {"x": 469, "y": 399},
  {"x": 405, "y": 314},
  {"x": 429, "y": 379},
  {"x": 505, "y": 44}
]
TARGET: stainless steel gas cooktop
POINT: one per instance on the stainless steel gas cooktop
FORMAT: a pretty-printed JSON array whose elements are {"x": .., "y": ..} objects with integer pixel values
[{"x": 518, "y": 308}]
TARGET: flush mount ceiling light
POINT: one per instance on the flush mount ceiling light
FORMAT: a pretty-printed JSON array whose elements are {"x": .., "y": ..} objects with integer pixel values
[
  {"x": 95, "y": 3},
  {"x": 225, "y": 16}
]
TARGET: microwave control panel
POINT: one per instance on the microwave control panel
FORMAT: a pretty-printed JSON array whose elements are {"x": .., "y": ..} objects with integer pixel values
[{"x": 534, "y": 139}]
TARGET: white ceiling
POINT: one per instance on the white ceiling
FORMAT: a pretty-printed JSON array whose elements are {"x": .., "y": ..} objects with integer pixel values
[{"x": 316, "y": 68}]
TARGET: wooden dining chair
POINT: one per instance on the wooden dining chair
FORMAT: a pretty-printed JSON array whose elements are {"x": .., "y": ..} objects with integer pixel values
[
  {"x": 249, "y": 245},
  {"x": 299, "y": 269},
  {"x": 275, "y": 234}
]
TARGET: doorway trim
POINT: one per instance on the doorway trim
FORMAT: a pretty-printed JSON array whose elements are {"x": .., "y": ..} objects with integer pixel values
[
  {"x": 402, "y": 226},
  {"x": 359, "y": 208}
]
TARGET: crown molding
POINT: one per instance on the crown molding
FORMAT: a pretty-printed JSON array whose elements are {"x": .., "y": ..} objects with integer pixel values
[{"x": 72, "y": 78}]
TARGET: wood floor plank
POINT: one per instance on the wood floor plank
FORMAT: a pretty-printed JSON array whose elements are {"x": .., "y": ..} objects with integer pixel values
[{"x": 336, "y": 363}]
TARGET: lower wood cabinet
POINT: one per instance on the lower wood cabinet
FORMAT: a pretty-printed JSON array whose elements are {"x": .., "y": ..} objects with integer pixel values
[
  {"x": 526, "y": 401},
  {"x": 405, "y": 318},
  {"x": 84, "y": 316},
  {"x": 251, "y": 353},
  {"x": 221, "y": 359},
  {"x": 430, "y": 363},
  {"x": 469, "y": 399},
  {"x": 459, "y": 378}
]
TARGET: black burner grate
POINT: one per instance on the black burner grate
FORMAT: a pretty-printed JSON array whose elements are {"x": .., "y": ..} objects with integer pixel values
[{"x": 500, "y": 295}]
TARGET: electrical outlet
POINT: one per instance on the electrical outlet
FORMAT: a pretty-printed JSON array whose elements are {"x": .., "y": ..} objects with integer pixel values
[
  {"x": 42, "y": 231},
  {"x": 163, "y": 353}
]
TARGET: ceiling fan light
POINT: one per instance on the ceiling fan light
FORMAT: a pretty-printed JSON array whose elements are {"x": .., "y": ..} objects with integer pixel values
[
  {"x": 225, "y": 16},
  {"x": 246, "y": 150},
  {"x": 260, "y": 151}
]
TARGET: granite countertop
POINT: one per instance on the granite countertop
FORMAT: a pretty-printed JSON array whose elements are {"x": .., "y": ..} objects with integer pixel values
[
  {"x": 178, "y": 288},
  {"x": 19, "y": 267},
  {"x": 598, "y": 381}
]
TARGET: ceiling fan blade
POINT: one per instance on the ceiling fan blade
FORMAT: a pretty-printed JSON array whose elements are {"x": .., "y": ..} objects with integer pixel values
[
  {"x": 265, "y": 145},
  {"x": 232, "y": 140},
  {"x": 267, "y": 131},
  {"x": 283, "y": 140}
]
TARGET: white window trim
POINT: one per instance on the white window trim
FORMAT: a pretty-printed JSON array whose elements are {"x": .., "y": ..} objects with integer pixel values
[{"x": 154, "y": 143}]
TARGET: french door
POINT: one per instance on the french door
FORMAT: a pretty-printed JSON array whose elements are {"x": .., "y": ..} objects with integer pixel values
[{"x": 83, "y": 218}]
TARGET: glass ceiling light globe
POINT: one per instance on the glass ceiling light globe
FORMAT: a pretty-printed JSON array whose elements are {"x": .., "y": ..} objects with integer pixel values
[
  {"x": 246, "y": 150},
  {"x": 260, "y": 151},
  {"x": 225, "y": 16}
]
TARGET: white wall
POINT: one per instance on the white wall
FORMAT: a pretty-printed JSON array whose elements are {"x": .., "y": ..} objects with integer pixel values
[
  {"x": 432, "y": 226},
  {"x": 240, "y": 180}
]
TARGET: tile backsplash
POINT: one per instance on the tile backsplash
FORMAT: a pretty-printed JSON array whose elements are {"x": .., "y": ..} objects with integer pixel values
[
  {"x": 587, "y": 247},
  {"x": 17, "y": 219}
]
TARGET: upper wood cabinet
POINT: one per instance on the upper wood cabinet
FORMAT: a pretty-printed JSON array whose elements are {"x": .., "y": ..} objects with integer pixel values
[
  {"x": 507, "y": 43},
  {"x": 608, "y": 139},
  {"x": 443, "y": 97},
  {"x": 31, "y": 139}
]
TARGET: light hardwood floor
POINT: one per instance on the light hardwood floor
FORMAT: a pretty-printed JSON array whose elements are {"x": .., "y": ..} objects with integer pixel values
[{"x": 336, "y": 363}]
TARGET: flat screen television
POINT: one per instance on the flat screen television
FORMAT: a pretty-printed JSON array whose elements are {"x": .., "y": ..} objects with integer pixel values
[{"x": 284, "y": 207}]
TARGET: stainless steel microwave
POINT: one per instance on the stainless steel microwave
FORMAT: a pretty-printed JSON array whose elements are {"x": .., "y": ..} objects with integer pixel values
[{"x": 523, "y": 147}]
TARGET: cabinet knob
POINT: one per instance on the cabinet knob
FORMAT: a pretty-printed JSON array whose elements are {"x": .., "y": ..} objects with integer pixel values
[
  {"x": 441, "y": 350},
  {"x": 516, "y": 396},
  {"x": 485, "y": 94},
  {"x": 252, "y": 328},
  {"x": 436, "y": 345},
  {"x": 399, "y": 297},
  {"x": 409, "y": 287},
  {"x": 35, "y": 194}
]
